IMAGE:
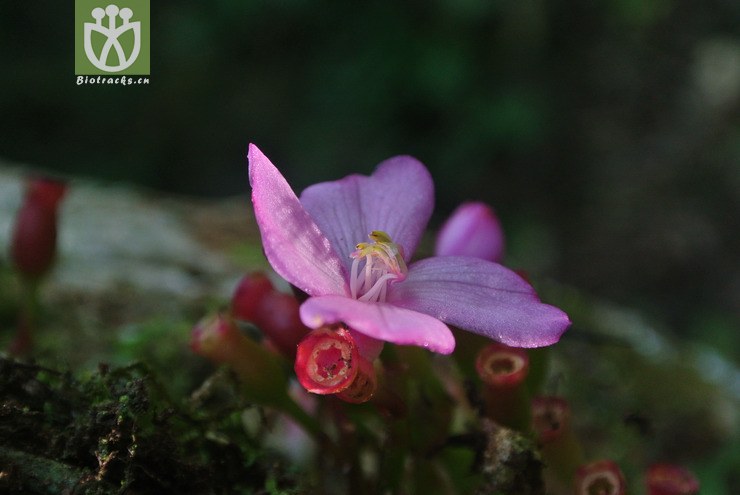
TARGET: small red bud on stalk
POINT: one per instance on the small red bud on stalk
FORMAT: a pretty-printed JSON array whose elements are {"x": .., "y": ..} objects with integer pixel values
[
  {"x": 260, "y": 370},
  {"x": 503, "y": 370},
  {"x": 248, "y": 295},
  {"x": 669, "y": 479},
  {"x": 600, "y": 478},
  {"x": 280, "y": 321},
  {"x": 34, "y": 242},
  {"x": 273, "y": 312},
  {"x": 329, "y": 362},
  {"x": 560, "y": 449},
  {"x": 218, "y": 339},
  {"x": 33, "y": 250}
]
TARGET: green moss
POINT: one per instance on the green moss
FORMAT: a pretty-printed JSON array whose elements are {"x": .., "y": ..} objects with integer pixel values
[{"x": 116, "y": 431}]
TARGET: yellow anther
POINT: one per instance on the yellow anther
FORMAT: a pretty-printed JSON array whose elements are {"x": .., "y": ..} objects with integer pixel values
[{"x": 380, "y": 236}]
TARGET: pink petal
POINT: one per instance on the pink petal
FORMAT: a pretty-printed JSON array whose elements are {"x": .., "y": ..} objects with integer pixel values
[
  {"x": 472, "y": 230},
  {"x": 481, "y": 297},
  {"x": 397, "y": 198},
  {"x": 380, "y": 321},
  {"x": 294, "y": 245}
]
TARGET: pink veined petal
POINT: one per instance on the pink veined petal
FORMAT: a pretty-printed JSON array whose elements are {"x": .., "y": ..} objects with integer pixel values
[
  {"x": 397, "y": 198},
  {"x": 380, "y": 321},
  {"x": 472, "y": 230},
  {"x": 481, "y": 297},
  {"x": 294, "y": 245}
]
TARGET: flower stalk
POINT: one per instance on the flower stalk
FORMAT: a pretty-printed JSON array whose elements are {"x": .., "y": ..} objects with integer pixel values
[
  {"x": 559, "y": 446},
  {"x": 33, "y": 251},
  {"x": 27, "y": 322}
]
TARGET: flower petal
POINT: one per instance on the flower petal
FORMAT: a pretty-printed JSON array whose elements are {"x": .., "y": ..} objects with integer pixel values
[
  {"x": 397, "y": 198},
  {"x": 481, "y": 297},
  {"x": 380, "y": 321},
  {"x": 472, "y": 230},
  {"x": 294, "y": 245}
]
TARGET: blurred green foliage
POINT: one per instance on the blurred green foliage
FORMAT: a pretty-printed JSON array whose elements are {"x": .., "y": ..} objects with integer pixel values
[{"x": 599, "y": 128}]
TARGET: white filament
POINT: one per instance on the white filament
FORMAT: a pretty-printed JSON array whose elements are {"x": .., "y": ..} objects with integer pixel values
[{"x": 371, "y": 283}]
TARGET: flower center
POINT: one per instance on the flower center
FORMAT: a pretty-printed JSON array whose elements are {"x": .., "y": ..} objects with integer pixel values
[{"x": 375, "y": 265}]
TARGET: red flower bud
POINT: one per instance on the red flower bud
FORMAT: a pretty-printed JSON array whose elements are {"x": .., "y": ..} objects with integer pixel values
[
  {"x": 600, "y": 478},
  {"x": 260, "y": 370},
  {"x": 669, "y": 479},
  {"x": 274, "y": 313},
  {"x": 279, "y": 320},
  {"x": 248, "y": 295},
  {"x": 216, "y": 338},
  {"x": 34, "y": 241}
]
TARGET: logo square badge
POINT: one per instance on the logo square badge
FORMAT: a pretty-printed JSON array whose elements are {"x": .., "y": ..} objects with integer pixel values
[{"x": 112, "y": 38}]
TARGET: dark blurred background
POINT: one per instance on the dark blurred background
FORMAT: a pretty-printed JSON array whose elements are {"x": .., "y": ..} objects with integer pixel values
[{"x": 605, "y": 133}]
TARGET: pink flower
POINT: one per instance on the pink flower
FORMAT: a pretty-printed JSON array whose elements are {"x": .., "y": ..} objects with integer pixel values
[
  {"x": 319, "y": 243},
  {"x": 472, "y": 230}
]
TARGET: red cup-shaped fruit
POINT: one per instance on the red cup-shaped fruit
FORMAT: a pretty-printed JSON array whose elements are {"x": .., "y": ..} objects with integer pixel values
[
  {"x": 600, "y": 478},
  {"x": 501, "y": 366},
  {"x": 327, "y": 360}
]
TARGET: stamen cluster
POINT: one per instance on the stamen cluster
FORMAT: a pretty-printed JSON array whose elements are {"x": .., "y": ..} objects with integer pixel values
[{"x": 375, "y": 265}]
